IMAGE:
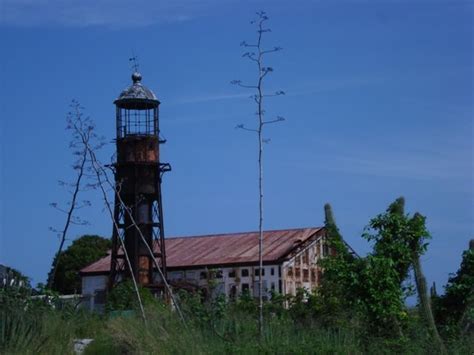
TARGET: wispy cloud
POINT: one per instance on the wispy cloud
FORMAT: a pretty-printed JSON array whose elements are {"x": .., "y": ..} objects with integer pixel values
[
  {"x": 208, "y": 98},
  {"x": 415, "y": 161},
  {"x": 401, "y": 166},
  {"x": 316, "y": 87},
  {"x": 335, "y": 84},
  {"x": 111, "y": 13}
]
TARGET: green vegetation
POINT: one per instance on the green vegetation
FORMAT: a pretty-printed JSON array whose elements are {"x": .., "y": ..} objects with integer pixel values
[
  {"x": 359, "y": 309},
  {"x": 82, "y": 252},
  {"x": 454, "y": 311},
  {"x": 213, "y": 327}
]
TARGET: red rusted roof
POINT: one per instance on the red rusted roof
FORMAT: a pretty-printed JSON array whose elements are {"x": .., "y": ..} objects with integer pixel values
[{"x": 222, "y": 249}]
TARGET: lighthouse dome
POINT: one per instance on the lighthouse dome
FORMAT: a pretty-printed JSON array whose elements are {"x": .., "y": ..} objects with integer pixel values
[{"x": 137, "y": 96}]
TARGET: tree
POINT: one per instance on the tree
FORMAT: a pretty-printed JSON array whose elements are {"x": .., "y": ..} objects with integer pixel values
[
  {"x": 256, "y": 53},
  {"x": 82, "y": 252},
  {"x": 374, "y": 286},
  {"x": 340, "y": 275},
  {"x": 455, "y": 309},
  {"x": 403, "y": 239}
]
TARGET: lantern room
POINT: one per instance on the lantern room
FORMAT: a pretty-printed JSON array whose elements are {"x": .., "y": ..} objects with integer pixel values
[{"x": 137, "y": 110}]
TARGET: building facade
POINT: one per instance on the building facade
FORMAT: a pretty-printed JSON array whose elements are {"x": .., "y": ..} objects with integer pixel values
[{"x": 227, "y": 264}]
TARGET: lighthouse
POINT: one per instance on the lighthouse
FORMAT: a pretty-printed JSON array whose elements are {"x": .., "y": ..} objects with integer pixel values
[{"x": 138, "y": 211}]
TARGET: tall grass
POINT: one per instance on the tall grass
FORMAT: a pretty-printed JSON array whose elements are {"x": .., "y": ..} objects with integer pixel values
[
  {"x": 42, "y": 330},
  {"x": 210, "y": 329}
]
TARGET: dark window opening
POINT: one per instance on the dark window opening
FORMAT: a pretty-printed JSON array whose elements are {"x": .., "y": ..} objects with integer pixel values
[
  {"x": 245, "y": 273},
  {"x": 245, "y": 288},
  {"x": 305, "y": 257},
  {"x": 305, "y": 275},
  {"x": 272, "y": 271},
  {"x": 257, "y": 272},
  {"x": 203, "y": 275},
  {"x": 325, "y": 250},
  {"x": 232, "y": 273}
]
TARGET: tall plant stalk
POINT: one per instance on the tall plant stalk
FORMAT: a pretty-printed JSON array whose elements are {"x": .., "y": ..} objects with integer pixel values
[
  {"x": 256, "y": 55},
  {"x": 76, "y": 123}
]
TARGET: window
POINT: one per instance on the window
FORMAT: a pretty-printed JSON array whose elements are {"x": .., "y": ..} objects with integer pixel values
[
  {"x": 325, "y": 249},
  {"x": 257, "y": 272},
  {"x": 203, "y": 275},
  {"x": 177, "y": 275},
  {"x": 272, "y": 271},
  {"x": 290, "y": 271},
  {"x": 232, "y": 273},
  {"x": 305, "y": 257},
  {"x": 245, "y": 273},
  {"x": 297, "y": 272},
  {"x": 219, "y": 274},
  {"x": 305, "y": 275},
  {"x": 232, "y": 292},
  {"x": 272, "y": 286},
  {"x": 245, "y": 287},
  {"x": 279, "y": 271}
]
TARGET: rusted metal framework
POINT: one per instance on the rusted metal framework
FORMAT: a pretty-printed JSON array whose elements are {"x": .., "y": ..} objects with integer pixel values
[{"x": 138, "y": 175}]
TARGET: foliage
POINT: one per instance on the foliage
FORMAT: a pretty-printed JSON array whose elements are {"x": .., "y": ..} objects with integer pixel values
[
  {"x": 217, "y": 327},
  {"x": 341, "y": 275},
  {"x": 82, "y": 252},
  {"x": 455, "y": 309},
  {"x": 15, "y": 288},
  {"x": 372, "y": 289},
  {"x": 37, "y": 329},
  {"x": 123, "y": 297}
]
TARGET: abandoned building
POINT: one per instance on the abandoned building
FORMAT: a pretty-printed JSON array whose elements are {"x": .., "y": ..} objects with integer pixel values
[
  {"x": 290, "y": 261},
  {"x": 225, "y": 264}
]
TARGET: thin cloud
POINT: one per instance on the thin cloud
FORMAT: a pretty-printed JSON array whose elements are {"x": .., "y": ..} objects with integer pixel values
[
  {"x": 413, "y": 163},
  {"x": 208, "y": 98},
  {"x": 417, "y": 167},
  {"x": 404, "y": 165},
  {"x": 110, "y": 13},
  {"x": 309, "y": 89},
  {"x": 336, "y": 84}
]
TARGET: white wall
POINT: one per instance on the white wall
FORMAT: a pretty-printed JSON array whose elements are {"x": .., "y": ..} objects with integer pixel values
[
  {"x": 91, "y": 284},
  {"x": 225, "y": 283}
]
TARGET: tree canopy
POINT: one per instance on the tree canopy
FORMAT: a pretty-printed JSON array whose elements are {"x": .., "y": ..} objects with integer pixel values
[{"x": 82, "y": 252}]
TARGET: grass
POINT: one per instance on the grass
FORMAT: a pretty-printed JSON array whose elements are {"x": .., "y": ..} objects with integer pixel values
[{"x": 211, "y": 330}]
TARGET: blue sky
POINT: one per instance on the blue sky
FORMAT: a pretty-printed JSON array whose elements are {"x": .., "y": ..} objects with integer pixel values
[{"x": 379, "y": 104}]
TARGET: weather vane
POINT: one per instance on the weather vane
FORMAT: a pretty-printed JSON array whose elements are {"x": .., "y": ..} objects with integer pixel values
[{"x": 134, "y": 61}]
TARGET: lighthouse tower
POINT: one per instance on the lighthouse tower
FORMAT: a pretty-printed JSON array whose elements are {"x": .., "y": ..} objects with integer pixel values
[{"x": 138, "y": 172}]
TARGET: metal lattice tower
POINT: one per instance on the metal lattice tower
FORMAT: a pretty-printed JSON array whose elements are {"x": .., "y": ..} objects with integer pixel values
[{"x": 138, "y": 174}]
